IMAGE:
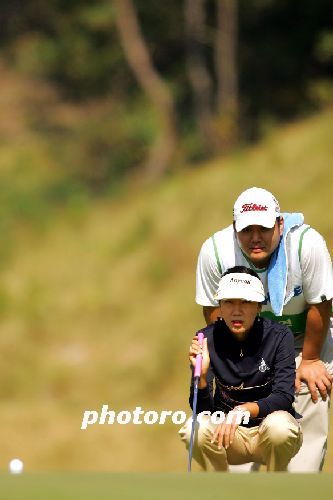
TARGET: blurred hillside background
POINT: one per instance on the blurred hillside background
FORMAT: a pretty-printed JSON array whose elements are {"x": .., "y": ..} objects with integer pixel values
[{"x": 127, "y": 130}]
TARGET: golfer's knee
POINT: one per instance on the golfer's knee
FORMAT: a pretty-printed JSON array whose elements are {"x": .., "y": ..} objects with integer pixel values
[
  {"x": 183, "y": 433},
  {"x": 280, "y": 428},
  {"x": 204, "y": 430},
  {"x": 201, "y": 430}
]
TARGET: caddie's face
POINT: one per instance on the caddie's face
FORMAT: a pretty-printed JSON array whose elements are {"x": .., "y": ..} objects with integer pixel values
[
  {"x": 239, "y": 315},
  {"x": 259, "y": 242}
]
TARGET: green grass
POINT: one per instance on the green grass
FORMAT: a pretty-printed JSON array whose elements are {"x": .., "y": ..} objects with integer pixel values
[{"x": 79, "y": 486}]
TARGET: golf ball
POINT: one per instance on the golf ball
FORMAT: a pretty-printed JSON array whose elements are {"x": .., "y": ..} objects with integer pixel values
[{"x": 16, "y": 466}]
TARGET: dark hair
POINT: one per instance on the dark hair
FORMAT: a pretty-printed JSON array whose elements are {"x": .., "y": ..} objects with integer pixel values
[{"x": 241, "y": 269}]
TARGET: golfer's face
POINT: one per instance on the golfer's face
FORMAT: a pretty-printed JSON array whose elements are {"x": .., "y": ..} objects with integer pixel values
[
  {"x": 259, "y": 242},
  {"x": 239, "y": 315}
]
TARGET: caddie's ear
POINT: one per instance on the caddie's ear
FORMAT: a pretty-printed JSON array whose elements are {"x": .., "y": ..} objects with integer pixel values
[
  {"x": 281, "y": 225},
  {"x": 259, "y": 307}
]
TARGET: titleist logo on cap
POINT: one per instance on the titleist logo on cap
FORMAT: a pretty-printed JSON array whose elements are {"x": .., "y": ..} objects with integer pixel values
[
  {"x": 253, "y": 207},
  {"x": 237, "y": 280}
]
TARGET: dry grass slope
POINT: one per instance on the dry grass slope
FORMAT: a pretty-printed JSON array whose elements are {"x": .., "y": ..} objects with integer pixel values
[{"x": 99, "y": 309}]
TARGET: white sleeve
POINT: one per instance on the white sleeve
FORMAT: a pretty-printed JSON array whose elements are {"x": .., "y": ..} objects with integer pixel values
[
  {"x": 207, "y": 276},
  {"x": 316, "y": 265}
]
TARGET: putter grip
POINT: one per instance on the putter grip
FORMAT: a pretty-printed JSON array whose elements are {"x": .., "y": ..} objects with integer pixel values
[{"x": 198, "y": 360}]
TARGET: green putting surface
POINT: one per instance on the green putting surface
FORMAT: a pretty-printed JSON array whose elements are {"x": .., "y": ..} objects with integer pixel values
[{"x": 165, "y": 486}]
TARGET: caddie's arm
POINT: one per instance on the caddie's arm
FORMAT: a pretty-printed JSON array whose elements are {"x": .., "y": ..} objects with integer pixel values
[
  {"x": 207, "y": 280},
  {"x": 211, "y": 314},
  {"x": 312, "y": 370},
  {"x": 317, "y": 281}
]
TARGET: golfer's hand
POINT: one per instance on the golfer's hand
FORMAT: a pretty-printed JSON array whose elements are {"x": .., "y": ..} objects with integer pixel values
[
  {"x": 195, "y": 349},
  {"x": 224, "y": 433},
  {"x": 315, "y": 375}
]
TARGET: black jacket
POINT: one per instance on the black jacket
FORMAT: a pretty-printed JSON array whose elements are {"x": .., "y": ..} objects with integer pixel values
[{"x": 260, "y": 369}]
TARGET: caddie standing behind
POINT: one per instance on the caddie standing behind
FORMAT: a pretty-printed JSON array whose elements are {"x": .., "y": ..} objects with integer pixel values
[{"x": 294, "y": 265}]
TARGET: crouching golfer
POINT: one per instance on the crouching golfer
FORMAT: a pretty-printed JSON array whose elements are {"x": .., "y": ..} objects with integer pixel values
[{"x": 247, "y": 364}]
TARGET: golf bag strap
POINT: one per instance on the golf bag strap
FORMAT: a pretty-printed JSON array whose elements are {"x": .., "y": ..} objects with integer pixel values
[
  {"x": 217, "y": 256},
  {"x": 300, "y": 243}
]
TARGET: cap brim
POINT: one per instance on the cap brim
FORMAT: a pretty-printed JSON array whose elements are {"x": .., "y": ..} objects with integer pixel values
[
  {"x": 251, "y": 297},
  {"x": 255, "y": 219},
  {"x": 240, "y": 286}
]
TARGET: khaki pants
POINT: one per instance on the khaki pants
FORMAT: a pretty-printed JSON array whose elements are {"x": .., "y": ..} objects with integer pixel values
[
  {"x": 311, "y": 455},
  {"x": 273, "y": 443},
  {"x": 315, "y": 429}
]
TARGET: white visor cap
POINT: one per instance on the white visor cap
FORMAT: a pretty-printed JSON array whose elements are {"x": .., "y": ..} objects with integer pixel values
[
  {"x": 255, "y": 206},
  {"x": 240, "y": 286}
]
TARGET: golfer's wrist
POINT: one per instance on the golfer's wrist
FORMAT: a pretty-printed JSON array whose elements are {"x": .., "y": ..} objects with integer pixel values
[
  {"x": 252, "y": 407},
  {"x": 202, "y": 382},
  {"x": 308, "y": 360}
]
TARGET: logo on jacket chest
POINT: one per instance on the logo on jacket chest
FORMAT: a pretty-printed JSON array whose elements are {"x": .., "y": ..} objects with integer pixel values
[{"x": 263, "y": 367}]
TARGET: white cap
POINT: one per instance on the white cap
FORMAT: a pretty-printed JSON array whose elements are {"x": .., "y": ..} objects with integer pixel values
[
  {"x": 255, "y": 206},
  {"x": 240, "y": 286}
]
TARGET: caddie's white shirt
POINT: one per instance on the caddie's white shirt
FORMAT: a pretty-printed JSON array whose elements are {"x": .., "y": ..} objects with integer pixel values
[{"x": 310, "y": 273}]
